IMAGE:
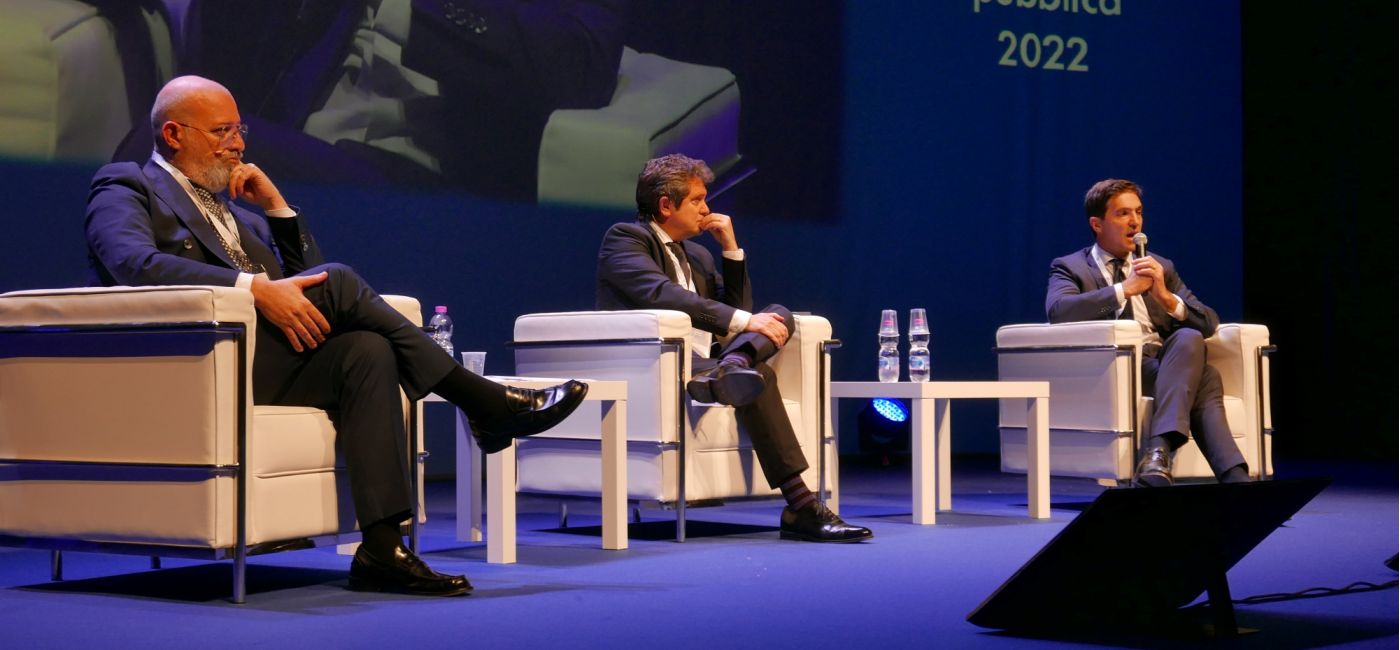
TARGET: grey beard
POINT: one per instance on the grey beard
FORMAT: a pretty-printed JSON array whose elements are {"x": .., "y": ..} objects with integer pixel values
[{"x": 213, "y": 177}]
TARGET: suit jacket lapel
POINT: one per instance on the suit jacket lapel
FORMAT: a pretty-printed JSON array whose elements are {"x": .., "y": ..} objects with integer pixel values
[
  {"x": 256, "y": 250},
  {"x": 699, "y": 276},
  {"x": 168, "y": 190},
  {"x": 1092, "y": 268}
]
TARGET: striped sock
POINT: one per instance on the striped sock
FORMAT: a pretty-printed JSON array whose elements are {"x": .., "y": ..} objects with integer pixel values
[
  {"x": 738, "y": 357},
  {"x": 796, "y": 493}
]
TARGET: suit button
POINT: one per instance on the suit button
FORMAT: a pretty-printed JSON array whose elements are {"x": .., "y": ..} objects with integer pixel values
[{"x": 189, "y": 244}]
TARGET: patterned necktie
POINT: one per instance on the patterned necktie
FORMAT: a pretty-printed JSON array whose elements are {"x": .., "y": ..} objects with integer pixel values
[
  {"x": 1118, "y": 277},
  {"x": 679, "y": 252},
  {"x": 213, "y": 209}
]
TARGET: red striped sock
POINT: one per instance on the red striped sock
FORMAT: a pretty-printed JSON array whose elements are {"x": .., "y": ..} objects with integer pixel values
[{"x": 796, "y": 493}]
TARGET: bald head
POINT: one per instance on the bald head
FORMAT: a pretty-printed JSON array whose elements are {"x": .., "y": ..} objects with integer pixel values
[{"x": 190, "y": 100}]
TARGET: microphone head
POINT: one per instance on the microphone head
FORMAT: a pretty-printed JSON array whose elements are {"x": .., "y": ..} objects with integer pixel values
[{"x": 1140, "y": 242}]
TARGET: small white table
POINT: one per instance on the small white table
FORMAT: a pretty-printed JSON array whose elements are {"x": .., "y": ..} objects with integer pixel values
[
  {"x": 501, "y": 481},
  {"x": 938, "y": 395}
]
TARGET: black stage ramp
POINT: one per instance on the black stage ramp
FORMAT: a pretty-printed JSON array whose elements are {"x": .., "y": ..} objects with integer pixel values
[{"x": 1136, "y": 556}]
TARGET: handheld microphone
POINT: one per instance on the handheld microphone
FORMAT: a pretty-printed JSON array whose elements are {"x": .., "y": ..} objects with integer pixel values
[{"x": 1140, "y": 243}]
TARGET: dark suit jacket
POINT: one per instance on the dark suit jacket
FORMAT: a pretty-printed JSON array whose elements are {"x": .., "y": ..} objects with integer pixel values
[
  {"x": 142, "y": 228},
  {"x": 1079, "y": 292},
  {"x": 634, "y": 272}
]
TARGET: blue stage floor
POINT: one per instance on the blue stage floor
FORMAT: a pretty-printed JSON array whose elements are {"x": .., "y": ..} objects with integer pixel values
[{"x": 912, "y": 586}]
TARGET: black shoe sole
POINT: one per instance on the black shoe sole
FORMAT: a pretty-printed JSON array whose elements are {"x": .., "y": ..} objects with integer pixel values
[
  {"x": 370, "y": 586},
  {"x": 1153, "y": 480},
  {"x": 737, "y": 389},
  {"x": 799, "y": 537}
]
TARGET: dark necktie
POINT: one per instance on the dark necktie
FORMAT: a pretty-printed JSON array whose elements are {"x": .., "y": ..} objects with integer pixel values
[
  {"x": 1118, "y": 277},
  {"x": 679, "y": 251},
  {"x": 214, "y": 210}
]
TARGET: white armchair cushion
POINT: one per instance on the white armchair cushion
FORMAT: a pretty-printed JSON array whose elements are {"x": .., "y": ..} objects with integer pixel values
[
  {"x": 134, "y": 305},
  {"x": 602, "y": 325},
  {"x": 1105, "y": 332}
]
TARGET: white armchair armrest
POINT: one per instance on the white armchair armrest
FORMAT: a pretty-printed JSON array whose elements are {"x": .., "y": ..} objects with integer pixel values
[
  {"x": 1081, "y": 334},
  {"x": 602, "y": 325}
]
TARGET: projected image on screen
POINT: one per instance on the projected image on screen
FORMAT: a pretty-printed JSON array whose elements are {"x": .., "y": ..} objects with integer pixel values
[{"x": 555, "y": 101}]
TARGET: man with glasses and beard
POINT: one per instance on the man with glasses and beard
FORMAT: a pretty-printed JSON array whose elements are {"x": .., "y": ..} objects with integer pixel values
[{"x": 324, "y": 338}]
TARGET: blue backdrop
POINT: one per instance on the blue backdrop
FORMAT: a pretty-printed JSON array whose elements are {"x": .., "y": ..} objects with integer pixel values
[{"x": 960, "y": 177}]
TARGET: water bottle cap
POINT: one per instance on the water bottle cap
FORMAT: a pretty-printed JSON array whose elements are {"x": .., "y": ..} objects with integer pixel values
[
  {"x": 441, "y": 309},
  {"x": 889, "y": 322},
  {"x": 918, "y": 320}
]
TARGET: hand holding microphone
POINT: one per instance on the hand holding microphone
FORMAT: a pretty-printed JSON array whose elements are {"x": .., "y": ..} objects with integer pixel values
[{"x": 1150, "y": 268}]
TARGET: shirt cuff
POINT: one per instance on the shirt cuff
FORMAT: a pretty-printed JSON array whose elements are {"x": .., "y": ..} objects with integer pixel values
[
  {"x": 740, "y": 321},
  {"x": 1180, "y": 312},
  {"x": 1118, "y": 291},
  {"x": 245, "y": 280},
  {"x": 735, "y": 255},
  {"x": 282, "y": 213}
]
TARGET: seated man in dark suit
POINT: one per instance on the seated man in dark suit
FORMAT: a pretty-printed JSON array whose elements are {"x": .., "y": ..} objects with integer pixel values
[
  {"x": 650, "y": 264},
  {"x": 1108, "y": 281},
  {"x": 324, "y": 337}
]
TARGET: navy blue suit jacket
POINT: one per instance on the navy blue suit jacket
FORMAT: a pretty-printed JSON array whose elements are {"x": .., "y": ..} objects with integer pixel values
[
  {"x": 142, "y": 228},
  {"x": 1078, "y": 291},
  {"x": 634, "y": 272}
]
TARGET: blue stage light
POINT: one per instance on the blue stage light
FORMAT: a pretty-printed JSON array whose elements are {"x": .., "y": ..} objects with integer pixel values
[{"x": 889, "y": 409}]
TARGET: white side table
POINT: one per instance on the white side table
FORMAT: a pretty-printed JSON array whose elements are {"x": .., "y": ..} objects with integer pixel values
[
  {"x": 501, "y": 480},
  {"x": 938, "y": 395}
]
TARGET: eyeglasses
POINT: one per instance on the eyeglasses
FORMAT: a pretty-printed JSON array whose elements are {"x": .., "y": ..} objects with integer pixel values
[{"x": 223, "y": 133}]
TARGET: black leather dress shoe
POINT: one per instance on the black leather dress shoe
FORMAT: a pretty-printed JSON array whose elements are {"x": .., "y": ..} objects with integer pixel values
[
  {"x": 403, "y": 573},
  {"x": 531, "y": 411},
  {"x": 816, "y": 523},
  {"x": 728, "y": 383},
  {"x": 1155, "y": 468}
]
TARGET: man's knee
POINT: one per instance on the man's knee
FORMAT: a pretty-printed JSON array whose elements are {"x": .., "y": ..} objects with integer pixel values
[
  {"x": 368, "y": 350},
  {"x": 782, "y": 311},
  {"x": 336, "y": 273},
  {"x": 1187, "y": 340}
]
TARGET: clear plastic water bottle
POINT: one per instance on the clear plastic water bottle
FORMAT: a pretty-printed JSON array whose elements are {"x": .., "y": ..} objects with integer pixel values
[
  {"x": 889, "y": 346},
  {"x": 440, "y": 325},
  {"x": 919, "y": 363}
]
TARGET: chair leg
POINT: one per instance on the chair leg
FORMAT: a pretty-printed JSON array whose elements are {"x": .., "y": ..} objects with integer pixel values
[
  {"x": 155, "y": 561},
  {"x": 240, "y": 574},
  {"x": 680, "y": 520},
  {"x": 563, "y": 514},
  {"x": 56, "y": 566},
  {"x": 637, "y": 515}
]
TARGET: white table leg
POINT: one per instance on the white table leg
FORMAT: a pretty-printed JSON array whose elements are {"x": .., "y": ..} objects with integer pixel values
[
  {"x": 924, "y": 469},
  {"x": 469, "y": 509},
  {"x": 944, "y": 467},
  {"x": 500, "y": 506},
  {"x": 1038, "y": 457},
  {"x": 614, "y": 474}
]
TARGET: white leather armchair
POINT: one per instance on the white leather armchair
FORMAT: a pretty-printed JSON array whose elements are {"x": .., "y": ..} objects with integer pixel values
[
  {"x": 127, "y": 425},
  {"x": 1097, "y": 409},
  {"x": 678, "y": 451}
]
